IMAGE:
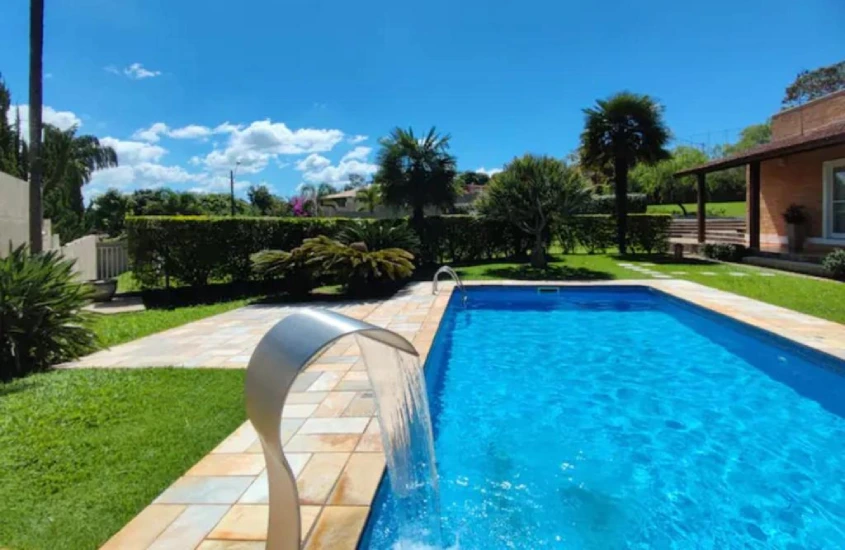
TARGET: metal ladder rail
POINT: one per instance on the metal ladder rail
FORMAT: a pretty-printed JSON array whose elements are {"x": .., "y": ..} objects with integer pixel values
[{"x": 458, "y": 283}]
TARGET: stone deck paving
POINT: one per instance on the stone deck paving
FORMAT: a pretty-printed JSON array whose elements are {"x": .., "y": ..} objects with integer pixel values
[{"x": 330, "y": 433}]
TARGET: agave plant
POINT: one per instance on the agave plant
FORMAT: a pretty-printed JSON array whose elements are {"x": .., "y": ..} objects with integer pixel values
[
  {"x": 378, "y": 235},
  {"x": 41, "y": 317},
  {"x": 355, "y": 265}
]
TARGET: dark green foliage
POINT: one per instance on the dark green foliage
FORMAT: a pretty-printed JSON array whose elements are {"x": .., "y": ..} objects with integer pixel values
[
  {"x": 193, "y": 249},
  {"x": 795, "y": 214},
  {"x": 380, "y": 234},
  {"x": 355, "y": 266},
  {"x": 41, "y": 322},
  {"x": 620, "y": 132},
  {"x": 107, "y": 213},
  {"x": 834, "y": 263},
  {"x": 416, "y": 172},
  {"x": 725, "y": 252},
  {"x": 646, "y": 233},
  {"x": 810, "y": 85},
  {"x": 470, "y": 238},
  {"x": 297, "y": 274},
  {"x": 606, "y": 204}
]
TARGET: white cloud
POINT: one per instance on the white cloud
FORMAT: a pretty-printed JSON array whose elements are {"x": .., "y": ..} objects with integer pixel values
[
  {"x": 218, "y": 184},
  {"x": 255, "y": 145},
  {"x": 61, "y": 119},
  {"x": 312, "y": 163},
  {"x": 359, "y": 153},
  {"x": 135, "y": 71},
  {"x": 357, "y": 138},
  {"x": 318, "y": 169},
  {"x": 152, "y": 133},
  {"x": 226, "y": 128},
  {"x": 134, "y": 152},
  {"x": 191, "y": 131},
  {"x": 491, "y": 172}
]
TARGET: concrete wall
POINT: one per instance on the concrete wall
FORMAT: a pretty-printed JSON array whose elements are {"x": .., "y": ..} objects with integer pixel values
[
  {"x": 14, "y": 212},
  {"x": 807, "y": 117},
  {"x": 84, "y": 251},
  {"x": 793, "y": 179}
]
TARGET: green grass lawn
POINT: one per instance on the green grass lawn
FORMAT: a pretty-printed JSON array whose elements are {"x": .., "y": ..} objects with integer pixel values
[
  {"x": 123, "y": 327},
  {"x": 83, "y": 451},
  {"x": 713, "y": 209},
  {"x": 562, "y": 267}
]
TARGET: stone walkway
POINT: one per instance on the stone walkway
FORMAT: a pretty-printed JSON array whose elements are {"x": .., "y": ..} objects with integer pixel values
[{"x": 330, "y": 433}]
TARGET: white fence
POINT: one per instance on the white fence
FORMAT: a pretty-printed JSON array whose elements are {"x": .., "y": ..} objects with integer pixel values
[{"x": 97, "y": 260}]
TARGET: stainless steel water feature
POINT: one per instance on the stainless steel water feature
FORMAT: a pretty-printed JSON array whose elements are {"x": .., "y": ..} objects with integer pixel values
[
  {"x": 282, "y": 353},
  {"x": 451, "y": 272}
]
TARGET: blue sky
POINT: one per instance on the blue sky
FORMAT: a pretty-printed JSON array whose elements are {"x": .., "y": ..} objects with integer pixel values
[{"x": 301, "y": 91}]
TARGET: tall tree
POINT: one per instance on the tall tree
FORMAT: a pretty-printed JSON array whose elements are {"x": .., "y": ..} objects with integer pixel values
[
  {"x": 809, "y": 85},
  {"x": 8, "y": 148},
  {"x": 36, "y": 96},
  {"x": 623, "y": 131},
  {"x": 465, "y": 179},
  {"x": 416, "y": 172},
  {"x": 312, "y": 195},
  {"x": 368, "y": 198},
  {"x": 659, "y": 180},
  {"x": 533, "y": 193},
  {"x": 69, "y": 163},
  {"x": 107, "y": 212}
]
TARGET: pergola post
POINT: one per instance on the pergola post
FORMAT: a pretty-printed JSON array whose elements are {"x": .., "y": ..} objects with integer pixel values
[
  {"x": 754, "y": 205},
  {"x": 701, "y": 213}
]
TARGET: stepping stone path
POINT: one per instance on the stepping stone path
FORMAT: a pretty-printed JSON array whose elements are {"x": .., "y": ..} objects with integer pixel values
[
  {"x": 737, "y": 274},
  {"x": 643, "y": 268},
  {"x": 678, "y": 272}
]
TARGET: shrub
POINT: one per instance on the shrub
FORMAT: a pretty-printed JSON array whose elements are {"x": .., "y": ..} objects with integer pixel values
[
  {"x": 724, "y": 252},
  {"x": 298, "y": 278},
  {"x": 361, "y": 270},
  {"x": 595, "y": 232},
  {"x": 41, "y": 317},
  {"x": 606, "y": 204},
  {"x": 795, "y": 214},
  {"x": 834, "y": 263},
  {"x": 378, "y": 235},
  {"x": 649, "y": 232}
]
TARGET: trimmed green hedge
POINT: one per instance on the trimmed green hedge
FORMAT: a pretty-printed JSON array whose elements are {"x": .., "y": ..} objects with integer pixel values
[
  {"x": 647, "y": 233},
  {"x": 194, "y": 250},
  {"x": 606, "y": 204}
]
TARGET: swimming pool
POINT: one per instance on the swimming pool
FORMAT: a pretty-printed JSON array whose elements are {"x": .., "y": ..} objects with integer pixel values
[{"x": 620, "y": 417}]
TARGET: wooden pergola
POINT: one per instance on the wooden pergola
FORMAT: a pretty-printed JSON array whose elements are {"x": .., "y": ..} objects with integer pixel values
[{"x": 828, "y": 136}]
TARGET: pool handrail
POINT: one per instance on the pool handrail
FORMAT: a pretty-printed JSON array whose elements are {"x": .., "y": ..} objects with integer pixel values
[{"x": 451, "y": 272}]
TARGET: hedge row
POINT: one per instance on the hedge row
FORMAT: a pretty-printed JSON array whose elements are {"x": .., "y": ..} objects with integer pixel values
[
  {"x": 606, "y": 204},
  {"x": 647, "y": 233},
  {"x": 197, "y": 249}
]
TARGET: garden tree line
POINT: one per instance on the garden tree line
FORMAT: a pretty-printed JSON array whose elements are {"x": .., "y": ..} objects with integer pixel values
[{"x": 68, "y": 162}]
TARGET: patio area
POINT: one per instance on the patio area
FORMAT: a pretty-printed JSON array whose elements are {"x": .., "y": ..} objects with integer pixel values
[{"x": 330, "y": 432}]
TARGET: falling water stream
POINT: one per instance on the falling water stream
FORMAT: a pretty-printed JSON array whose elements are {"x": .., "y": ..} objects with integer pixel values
[{"x": 402, "y": 404}]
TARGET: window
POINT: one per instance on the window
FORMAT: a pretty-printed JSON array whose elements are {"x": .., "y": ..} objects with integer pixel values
[{"x": 834, "y": 198}]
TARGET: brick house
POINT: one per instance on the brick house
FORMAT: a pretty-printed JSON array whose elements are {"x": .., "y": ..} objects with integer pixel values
[{"x": 804, "y": 164}]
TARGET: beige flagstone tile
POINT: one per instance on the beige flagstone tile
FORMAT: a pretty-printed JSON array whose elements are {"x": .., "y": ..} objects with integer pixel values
[
  {"x": 338, "y": 528},
  {"x": 364, "y": 404},
  {"x": 334, "y": 404},
  {"x": 239, "y": 441},
  {"x": 139, "y": 533},
  {"x": 359, "y": 480},
  {"x": 371, "y": 440},
  {"x": 205, "y": 490},
  {"x": 229, "y": 464},
  {"x": 302, "y": 398},
  {"x": 344, "y": 425},
  {"x": 322, "y": 443},
  {"x": 231, "y": 545},
  {"x": 319, "y": 476},
  {"x": 190, "y": 528}
]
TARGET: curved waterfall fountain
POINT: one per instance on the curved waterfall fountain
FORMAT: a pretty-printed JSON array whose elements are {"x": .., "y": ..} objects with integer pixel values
[{"x": 399, "y": 387}]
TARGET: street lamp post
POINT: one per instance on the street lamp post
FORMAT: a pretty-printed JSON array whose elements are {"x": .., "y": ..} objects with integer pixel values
[{"x": 232, "y": 187}]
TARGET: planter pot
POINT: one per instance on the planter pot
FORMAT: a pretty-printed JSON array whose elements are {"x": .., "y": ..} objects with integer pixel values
[
  {"x": 796, "y": 236},
  {"x": 104, "y": 290}
]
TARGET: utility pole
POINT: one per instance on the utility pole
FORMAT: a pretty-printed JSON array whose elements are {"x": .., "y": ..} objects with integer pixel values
[{"x": 232, "y": 190}]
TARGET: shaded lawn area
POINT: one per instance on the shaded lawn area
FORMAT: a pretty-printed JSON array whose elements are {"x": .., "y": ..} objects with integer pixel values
[
  {"x": 713, "y": 209},
  {"x": 83, "y": 451},
  {"x": 818, "y": 297},
  {"x": 561, "y": 267}
]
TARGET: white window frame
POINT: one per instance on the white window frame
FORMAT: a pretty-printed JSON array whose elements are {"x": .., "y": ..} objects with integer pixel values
[{"x": 827, "y": 216}]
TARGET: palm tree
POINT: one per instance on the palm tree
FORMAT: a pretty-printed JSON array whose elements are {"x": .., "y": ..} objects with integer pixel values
[
  {"x": 620, "y": 132},
  {"x": 369, "y": 198},
  {"x": 416, "y": 172},
  {"x": 314, "y": 193},
  {"x": 69, "y": 163},
  {"x": 36, "y": 96}
]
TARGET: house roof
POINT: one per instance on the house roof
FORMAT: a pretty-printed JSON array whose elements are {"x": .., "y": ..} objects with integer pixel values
[
  {"x": 825, "y": 136},
  {"x": 341, "y": 195}
]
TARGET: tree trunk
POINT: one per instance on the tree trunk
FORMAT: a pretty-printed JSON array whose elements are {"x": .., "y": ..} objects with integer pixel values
[
  {"x": 620, "y": 174},
  {"x": 538, "y": 251},
  {"x": 36, "y": 53},
  {"x": 683, "y": 209}
]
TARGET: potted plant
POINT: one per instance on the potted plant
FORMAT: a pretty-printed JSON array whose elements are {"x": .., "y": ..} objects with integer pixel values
[{"x": 796, "y": 219}]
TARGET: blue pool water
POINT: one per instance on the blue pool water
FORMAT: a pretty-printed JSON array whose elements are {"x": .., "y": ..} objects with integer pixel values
[{"x": 622, "y": 418}]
